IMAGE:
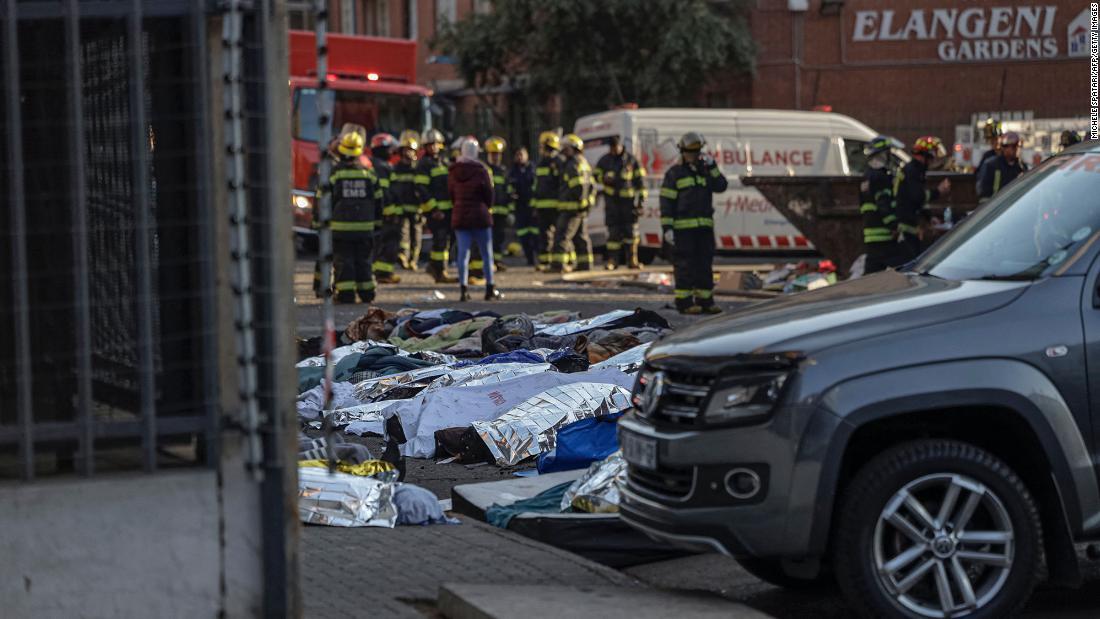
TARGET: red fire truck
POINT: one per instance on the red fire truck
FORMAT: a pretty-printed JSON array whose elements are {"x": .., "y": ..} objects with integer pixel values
[{"x": 372, "y": 83}]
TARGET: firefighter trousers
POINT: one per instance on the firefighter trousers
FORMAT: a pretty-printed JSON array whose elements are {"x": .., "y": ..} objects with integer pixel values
[
  {"x": 527, "y": 232},
  {"x": 547, "y": 221},
  {"x": 571, "y": 242},
  {"x": 622, "y": 230},
  {"x": 500, "y": 236},
  {"x": 440, "y": 251},
  {"x": 880, "y": 256},
  {"x": 351, "y": 261},
  {"x": 693, "y": 267},
  {"x": 387, "y": 245},
  {"x": 412, "y": 234}
]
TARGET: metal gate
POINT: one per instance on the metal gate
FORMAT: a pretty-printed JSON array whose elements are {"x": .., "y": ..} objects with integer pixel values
[{"x": 145, "y": 274}]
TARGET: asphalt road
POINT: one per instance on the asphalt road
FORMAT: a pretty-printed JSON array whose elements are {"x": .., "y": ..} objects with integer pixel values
[{"x": 531, "y": 292}]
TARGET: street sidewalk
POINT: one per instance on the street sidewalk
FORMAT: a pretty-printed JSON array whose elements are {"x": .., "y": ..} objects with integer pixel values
[{"x": 376, "y": 572}]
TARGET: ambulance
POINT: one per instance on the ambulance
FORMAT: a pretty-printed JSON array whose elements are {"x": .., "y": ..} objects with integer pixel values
[{"x": 744, "y": 142}]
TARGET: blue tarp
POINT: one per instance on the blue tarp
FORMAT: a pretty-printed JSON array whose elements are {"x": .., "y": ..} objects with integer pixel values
[{"x": 581, "y": 443}]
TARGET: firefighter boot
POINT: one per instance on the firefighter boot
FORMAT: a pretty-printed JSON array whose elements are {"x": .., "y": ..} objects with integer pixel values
[{"x": 632, "y": 257}]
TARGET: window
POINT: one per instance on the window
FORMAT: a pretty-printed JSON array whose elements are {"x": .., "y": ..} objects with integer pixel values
[
  {"x": 378, "y": 18},
  {"x": 376, "y": 112},
  {"x": 299, "y": 16},
  {"x": 347, "y": 16},
  {"x": 857, "y": 161},
  {"x": 445, "y": 12}
]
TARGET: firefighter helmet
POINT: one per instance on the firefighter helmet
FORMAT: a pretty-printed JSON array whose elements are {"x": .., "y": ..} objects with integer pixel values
[
  {"x": 691, "y": 141},
  {"x": 573, "y": 140},
  {"x": 549, "y": 139},
  {"x": 1069, "y": 138},
  {"x": 382, "y": 140},
  {"x": 412, "y": 134},
  {"x": 495, "y": 144},
  {"x": 929, "y": 145},
  {"x": 409, "y": 142},
  {"x": 992, "y": 128},
  {"x": 351, "y": 144},
  {"x": 1010, "y": 139},
  {"x": 433, "y": 136},
  {"x": 881, "y": 144}
]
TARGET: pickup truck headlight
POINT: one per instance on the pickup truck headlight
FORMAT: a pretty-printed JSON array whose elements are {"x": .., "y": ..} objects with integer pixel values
[
  {"x": 302, "y": 202},
  {"x": 745, "y": 397}
]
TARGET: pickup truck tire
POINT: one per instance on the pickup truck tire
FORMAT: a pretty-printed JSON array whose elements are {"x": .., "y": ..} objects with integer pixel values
[
  {"x": 898, "y": 551},
  {"x": 771, "y": 571}
]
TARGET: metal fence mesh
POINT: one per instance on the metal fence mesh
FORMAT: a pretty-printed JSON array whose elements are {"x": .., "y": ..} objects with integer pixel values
[{"x": 109, "y": 127}]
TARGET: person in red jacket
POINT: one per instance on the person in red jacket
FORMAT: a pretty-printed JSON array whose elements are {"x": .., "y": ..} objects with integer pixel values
[{"x": 471, "y": 191}]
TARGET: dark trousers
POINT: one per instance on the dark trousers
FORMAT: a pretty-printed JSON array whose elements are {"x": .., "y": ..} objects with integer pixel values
[
  {"x": 388, "y": 245},
  {"x": 622, "y": 229},
  {"x": 547, "y": 221},
  {"x": 527, "y": 231},
  {"x": 582, "y": 244},
  {"x": 440, "y": 251},
  {"x": 500, "y": 236},
  {"x": 880, "y": 256},
  {"x": 351, "y": 261},
  {"x": 693, "y": 267},
  {"x": 412, "y": 235}
]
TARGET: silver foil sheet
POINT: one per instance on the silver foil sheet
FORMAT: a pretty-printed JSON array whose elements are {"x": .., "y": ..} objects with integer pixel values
[
  {"x": 531, "y": 427},
  {"x": 576, "y": 326},
  {"x": 597, "y": 491},
  {"x": 628, "y": 361},
  {"x": 343, "y": 500},
  {"x": 372, "y": 411},
  {"x": 473, "y": 375},
  {"x": 405, "y": 384},
  {"x": 363, "y": 345}
]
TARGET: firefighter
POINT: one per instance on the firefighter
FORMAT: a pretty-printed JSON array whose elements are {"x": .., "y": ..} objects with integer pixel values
[
  {"x": 991, "y": 132},
  {"x": 912, "y": 198},
  {"x": 877, "y": 206},
  {"x": 687, "y": 223},
  {"x": 402, "y": 201},
  {"x": 577, "y": 191},
  {"x": 521, "y": 177},
  {"x": 624, "y": 194},
  {"x": 1003, "y": 168},
  {"x": 356, "y": 194},
  {"x": 435, "y": 204},
  {"x": 382, "y": 147},
  {"x": 504, "y": 205},
  {"x": 544, "y": 196},
  {"x": 1068, "y": 138}
]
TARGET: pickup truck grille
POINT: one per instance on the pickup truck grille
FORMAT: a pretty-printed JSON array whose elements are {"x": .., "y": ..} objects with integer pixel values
[
  {"x": 665, "y": 481},
  {"x": 682, "y": 398}
]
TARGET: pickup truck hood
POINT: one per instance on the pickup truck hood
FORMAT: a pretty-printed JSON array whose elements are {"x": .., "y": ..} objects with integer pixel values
[{"x": 861, "y": 309}]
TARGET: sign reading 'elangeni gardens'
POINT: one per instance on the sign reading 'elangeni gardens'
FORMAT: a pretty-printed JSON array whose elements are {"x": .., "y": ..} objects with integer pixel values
[{"x": 964, "y": 33}]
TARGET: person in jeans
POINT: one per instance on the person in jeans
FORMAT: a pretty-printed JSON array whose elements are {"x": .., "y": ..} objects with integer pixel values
[{"x": 471, "y": 191}]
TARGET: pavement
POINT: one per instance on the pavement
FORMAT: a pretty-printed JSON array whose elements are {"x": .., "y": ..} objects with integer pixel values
[{"x": 400, "y": 572}]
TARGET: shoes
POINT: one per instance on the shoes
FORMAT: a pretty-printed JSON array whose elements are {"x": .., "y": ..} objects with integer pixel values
[
  {"x": 636, "y": 266},
  {"x": 542, "y": 268},
  {"x": 463, "y": 294},
  {"x": 492, "y": 294},
  {"x": 444, "y": 278},
  {"x": 694, "y": 310},
  {"x": 388, "y": 278},
  {"x": 500, "y": 267},
  {"x": 475, "y": 280},
  {"x": 582, "y": 267},
  {"x": 404, "y": 261},
  {"x": 712, "y": 309},
  {"x": 610, "y": 266}
]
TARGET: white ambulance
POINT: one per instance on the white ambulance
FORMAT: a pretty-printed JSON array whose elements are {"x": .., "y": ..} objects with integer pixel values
[{"x": 743, "y": 142}]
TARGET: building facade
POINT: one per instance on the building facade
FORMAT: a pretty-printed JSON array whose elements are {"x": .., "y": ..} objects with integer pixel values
[{"x": 914, "y": 67}]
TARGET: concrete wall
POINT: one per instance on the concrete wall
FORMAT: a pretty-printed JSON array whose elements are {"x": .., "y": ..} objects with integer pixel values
[{"x": 125, "y": 546}]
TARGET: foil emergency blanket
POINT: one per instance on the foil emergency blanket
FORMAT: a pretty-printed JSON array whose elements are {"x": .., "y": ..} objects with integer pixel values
[
  {"x": 404, "y": 385},
  {"x": 568, "y": 328},
  {"x": 597, "y": 491},
  {"x": 531, "y": 427},
  {"x": 628, "y": 361},
  {"x": 343, "y": 500},
  {"x": 473, "y": 375}
]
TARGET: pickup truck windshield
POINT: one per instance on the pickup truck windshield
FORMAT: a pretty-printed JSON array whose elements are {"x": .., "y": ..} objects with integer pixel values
[
  {"x": 1028, "y": 229},
  {"x": 377, "y": 112}
]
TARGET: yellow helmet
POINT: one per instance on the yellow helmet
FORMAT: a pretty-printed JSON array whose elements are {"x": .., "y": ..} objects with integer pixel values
[
  {"x": 409, "y": 134},
  {"x": 572, "y": 139},
  {"x": 549, "y": 139},
  {"x": 408, "y": 141},
  {"x": 351, "y": 145},
  {"x": 494, "y": 144}
]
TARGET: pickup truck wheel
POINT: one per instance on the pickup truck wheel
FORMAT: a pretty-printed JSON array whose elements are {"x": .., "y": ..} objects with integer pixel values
[
  {"x": 771, "y": 571},
  {"x": 937, "y": 528}
]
